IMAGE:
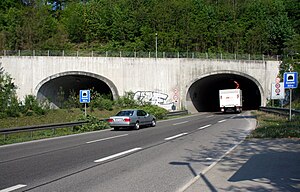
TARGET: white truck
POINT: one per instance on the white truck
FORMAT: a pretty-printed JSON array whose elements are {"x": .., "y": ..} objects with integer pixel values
[{"x": 231, "y": 100}]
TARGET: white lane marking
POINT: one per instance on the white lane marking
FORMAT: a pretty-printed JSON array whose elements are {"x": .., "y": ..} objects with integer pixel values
[
  {"x": 175, "y": 136},
  {"x": 106, "y": 138},
  {"x": 117, "y": 155},
  {"x": 221, "y": 121},
  {"x": 205, "y": 126},
  {"x": 13, "y": 188},
  {"x": 180, "y": 123},
  {"x": 209, "y": 116}
]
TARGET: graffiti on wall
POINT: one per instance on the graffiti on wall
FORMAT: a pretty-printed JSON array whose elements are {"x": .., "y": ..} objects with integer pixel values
[{"x": 155, "y": 98}]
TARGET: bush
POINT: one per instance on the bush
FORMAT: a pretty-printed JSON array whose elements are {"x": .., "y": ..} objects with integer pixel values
[
  {"x": 72, "y": 101},
  {"x": 158, "y": 112},
  {"x": 13, "y": 110},
  {"x": 9, "y": 104},
  {"x": 93, "y": 124},
  {"x": 126, "y": 101},
  {"x": 32, "y": 106},
  {"x": 101, "y": 102}
]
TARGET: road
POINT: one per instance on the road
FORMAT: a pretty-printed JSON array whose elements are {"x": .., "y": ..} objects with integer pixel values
[{"x": 161, "y": 158}]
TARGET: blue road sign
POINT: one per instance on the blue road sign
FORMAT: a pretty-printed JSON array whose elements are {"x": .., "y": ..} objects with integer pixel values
[
  {"x": 290, "y": 80},
  {"x": 84, "y": 96}
]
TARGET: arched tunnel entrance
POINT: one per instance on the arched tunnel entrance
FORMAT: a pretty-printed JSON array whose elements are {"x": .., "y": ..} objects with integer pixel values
[
  {"x": 204, "y": 93},
  {"x": 66, "y": 84}
]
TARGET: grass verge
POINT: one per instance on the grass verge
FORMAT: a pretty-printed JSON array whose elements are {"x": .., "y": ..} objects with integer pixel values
[
  {"x": 53, "y": 116},
  {"x": 275, "y": 126}
]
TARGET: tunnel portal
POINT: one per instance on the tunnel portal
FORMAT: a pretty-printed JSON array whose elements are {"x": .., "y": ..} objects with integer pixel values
[
  {"x": 204, "y": 93},
  {"x": 65, "y": 85}
]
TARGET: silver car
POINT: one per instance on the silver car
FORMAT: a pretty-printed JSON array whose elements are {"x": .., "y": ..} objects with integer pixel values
[{"x": 132, "y": 118}]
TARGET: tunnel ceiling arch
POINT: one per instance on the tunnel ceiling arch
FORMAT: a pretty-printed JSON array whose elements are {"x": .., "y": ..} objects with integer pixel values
[
  {"x": 204, "y": 92},
  {"x": 69, "y": 82}
]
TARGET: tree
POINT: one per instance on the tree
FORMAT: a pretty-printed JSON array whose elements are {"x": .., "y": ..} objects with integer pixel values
[{"x": 9, "y": 105}]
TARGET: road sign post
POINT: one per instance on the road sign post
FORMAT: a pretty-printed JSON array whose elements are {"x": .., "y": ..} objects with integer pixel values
[
  {"x": 290, "y": 82},
  {"x": 277, "y": 91},
  {"x": 84, "y": 97}
]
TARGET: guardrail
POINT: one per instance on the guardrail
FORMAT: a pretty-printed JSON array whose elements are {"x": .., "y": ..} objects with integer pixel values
[
  {"x": 41, "y": 127},
  {"x": 175, "y": 113},
  {"x": 64, "y": 125},
  {"x": 279, "y": 111}
]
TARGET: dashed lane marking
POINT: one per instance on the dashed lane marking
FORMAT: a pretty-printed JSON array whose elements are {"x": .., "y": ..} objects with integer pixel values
[
  {"x": 180, "y": 123},
  {"x": 175, "y": 136},
  {"x": 13, "y": 188},
  {"x": 94, "y": 141},
  {"x": 203, "y": 127},
  {"x": 117, "y": 155}
]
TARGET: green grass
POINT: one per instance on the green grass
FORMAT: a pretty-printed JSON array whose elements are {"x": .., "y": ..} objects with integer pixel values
[
  {"x": 53, "y": 116},
  {"x": 275, "y": 126}
]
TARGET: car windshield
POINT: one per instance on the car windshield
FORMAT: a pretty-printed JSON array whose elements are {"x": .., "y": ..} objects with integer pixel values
[{"x": 125, "y": 113}]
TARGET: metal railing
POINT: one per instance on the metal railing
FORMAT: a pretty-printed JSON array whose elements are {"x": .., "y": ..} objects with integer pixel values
[
  {"x": 175, "y": 113},
  {"x": 41, "y": 127},
  {"x": 138, "y": 54},
  {"x": 65, "y": 125},
  {"x": 279, "y": 111}
]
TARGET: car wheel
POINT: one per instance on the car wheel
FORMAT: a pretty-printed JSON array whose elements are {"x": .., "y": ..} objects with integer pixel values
[
  {"x": 136, "y": 126},
  {"x": 153, "y": 123}
]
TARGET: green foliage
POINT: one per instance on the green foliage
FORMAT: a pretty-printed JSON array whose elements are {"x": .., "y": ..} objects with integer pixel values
[
  {"x": 72, "y": 101},
  {"x": 255, "y": 27},
  {"x": 158, "y": 112},
  {"x": 101, "y": 102},
  {"x": 93, "y": 124},
  {"x": 274, "y": 126},
  {"x": 33, "y": 106},
  {"x": 14, "y": 108},
  {"x": 61, "y": 97},
  {"x": 126, "y": 101},
  {"x": 9, "y": 105}
]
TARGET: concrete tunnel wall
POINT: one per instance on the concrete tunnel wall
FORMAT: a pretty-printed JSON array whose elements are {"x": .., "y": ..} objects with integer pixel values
[
  {"x": 204, "y": 92},
  {"x": 163, "y": 81},
  {"x": 72, "y": 82}
]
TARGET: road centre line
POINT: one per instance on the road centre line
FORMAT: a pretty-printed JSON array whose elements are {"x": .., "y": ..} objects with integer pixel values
[
  {"x": 209, "y": 116},
  {"x": 117, "y": 155},
  {"x": 221, "y": 121},
  {"x": 180, "y": 123},
  {"x": 13, "y": 188},
  {"x": 176, "y": 136},
  {"x": 106, "y": 138},
  {"x": 203, "y": 127}
]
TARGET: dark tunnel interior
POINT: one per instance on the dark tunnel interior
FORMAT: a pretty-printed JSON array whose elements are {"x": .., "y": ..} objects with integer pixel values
[
  {"x": 204, "y": 93},
  {"x": 71, "y": 83}
]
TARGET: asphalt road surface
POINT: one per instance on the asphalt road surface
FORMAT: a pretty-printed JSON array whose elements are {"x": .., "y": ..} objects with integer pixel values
[{"x": 161, "y": 158}]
